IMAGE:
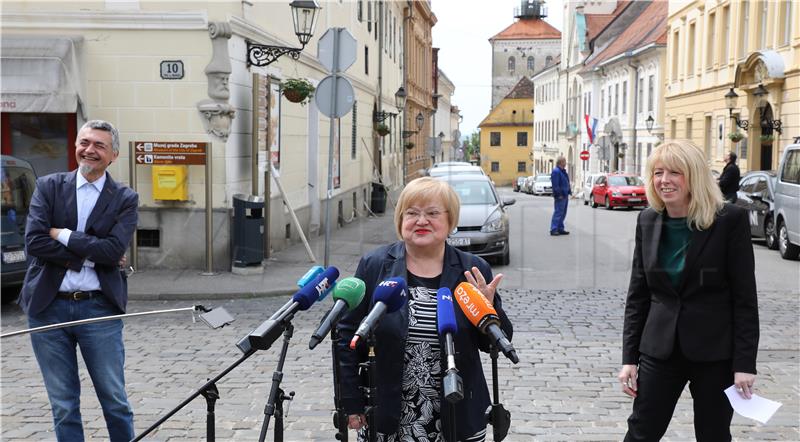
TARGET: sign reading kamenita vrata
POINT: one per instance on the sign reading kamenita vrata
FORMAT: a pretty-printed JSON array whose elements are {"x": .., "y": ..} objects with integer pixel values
[{"x": 170, "y": 152}]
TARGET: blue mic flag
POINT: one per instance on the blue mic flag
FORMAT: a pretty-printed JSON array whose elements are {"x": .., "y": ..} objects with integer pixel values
[
  {"x": 391, "y": 292},
  {"x": 445, "y": 312},
  {"x": 310, "y": 293}
]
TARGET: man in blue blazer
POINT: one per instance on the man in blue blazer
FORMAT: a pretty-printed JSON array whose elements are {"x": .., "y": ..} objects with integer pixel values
[
  {"x": 79, "y": 225},
  {"x": 561, "y": 192}
]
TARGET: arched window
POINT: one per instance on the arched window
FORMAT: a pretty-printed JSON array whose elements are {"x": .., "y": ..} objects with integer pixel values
[
  {"x": 511, "y": 63},
  {"x": 548, "y": 60},
  {"x": 530, "y": 63}
]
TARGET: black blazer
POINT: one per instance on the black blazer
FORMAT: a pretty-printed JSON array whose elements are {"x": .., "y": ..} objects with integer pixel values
[
  {"x": 713, "y": 312},
  {"x": 108, "y": 233},
  {"x": 390, "y": 337}
]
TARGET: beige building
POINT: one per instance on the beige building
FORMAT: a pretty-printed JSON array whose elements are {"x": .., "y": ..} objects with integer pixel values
[
  {"x": 445, "y": 128},
  {"x": 546, "y": 117},
  {"x": 749, "y": 48},
  {"x": 174, "y": 71}
]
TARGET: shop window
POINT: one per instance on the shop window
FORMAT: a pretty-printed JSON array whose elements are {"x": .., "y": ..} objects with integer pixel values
[{"x": 44, "y": 140}]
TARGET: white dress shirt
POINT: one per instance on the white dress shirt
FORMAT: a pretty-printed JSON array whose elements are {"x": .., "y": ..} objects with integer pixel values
[{"x": 86, "y": 195}]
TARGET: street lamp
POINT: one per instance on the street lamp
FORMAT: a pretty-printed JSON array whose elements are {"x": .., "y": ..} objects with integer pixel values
[
  {"x": 761, "y": 102},
  {"x": 730, "y": 101},
  {"x": 304, "y": 18},
  {"x": 649, "y": 122},
  {"x": 420, "y": 121},
  {"x": 399, "y": 102}
]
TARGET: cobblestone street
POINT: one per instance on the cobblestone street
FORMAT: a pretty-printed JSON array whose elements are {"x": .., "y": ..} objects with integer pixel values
[{"x": 564, "y": 388}]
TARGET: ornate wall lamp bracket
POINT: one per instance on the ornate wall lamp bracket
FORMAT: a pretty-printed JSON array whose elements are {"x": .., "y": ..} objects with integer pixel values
[{"x": 263, "y": 55}]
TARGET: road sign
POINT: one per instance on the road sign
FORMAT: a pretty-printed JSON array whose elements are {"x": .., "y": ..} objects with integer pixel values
[
  {"x": 344, "y": 96},
  {"x": 347, "y": 47},
  {"x": 584, "y": 155},
  {"x": 160, "y": 153}
]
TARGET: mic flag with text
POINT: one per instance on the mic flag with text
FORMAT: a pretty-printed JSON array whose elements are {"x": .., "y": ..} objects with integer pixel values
[
  {"x": 447, "y": 326},
  {"x": 389, "y": 296},
  {"x": 482, "y": 315},
  {"x": 347, "y": 294}
]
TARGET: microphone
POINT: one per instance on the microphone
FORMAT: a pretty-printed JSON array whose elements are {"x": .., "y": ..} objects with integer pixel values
[
  {"x": 389, "y": 296},
  {"x": 312, "y": 273},
  {"x": 483, "y": 316},
  {"x": 262, "y": 337},
  {"x": 347, "y": 293},
  {"x": 447, "y": 327}
]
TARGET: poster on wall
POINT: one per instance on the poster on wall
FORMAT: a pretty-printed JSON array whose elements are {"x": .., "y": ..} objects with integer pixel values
[
  {"x": 337, "y": 152},
  {"x": 274, "y": 122}
]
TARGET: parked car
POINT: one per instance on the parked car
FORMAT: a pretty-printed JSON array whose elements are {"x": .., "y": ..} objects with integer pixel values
[
  {"x": 588, "y": 184},
  {"x": 619, "y": 190},
  {"x": 483, "y": 221},
  {"x": 517, "y": 184},
  {"x": 542, "y": 185},
  {"x": 451, "y": 163},
  {"x": 787, "y": 202},
  {"x": 756, "y": 194},
  {"x": 18, "y": 183},
  {"x": 527, "y": 187},
  {"x": 455, "y": 170}
]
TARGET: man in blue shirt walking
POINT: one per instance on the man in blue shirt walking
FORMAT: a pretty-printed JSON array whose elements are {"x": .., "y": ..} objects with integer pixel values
[{"x": 561, "y": 193}]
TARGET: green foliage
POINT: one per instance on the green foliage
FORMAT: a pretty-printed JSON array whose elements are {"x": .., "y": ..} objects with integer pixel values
[
  {"x": 297, "y": 90},
  {"x": 382, "y": 129}
]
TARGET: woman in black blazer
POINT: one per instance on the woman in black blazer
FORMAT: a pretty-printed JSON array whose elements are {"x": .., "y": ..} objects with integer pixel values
[
  {"x": 691, "y": 313},
  {"x": 409, "y": 365}
]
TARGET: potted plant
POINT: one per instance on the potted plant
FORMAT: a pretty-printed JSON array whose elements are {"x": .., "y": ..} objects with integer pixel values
[
  {"x": 767, "y": 137},
  {"x": 620, "y": 155},
  {"x": 736, "y": 136},
  {"x": 409, "y": 145},
  {"x": 297, "y": 90},
  {"x": 382, "y": 129}
]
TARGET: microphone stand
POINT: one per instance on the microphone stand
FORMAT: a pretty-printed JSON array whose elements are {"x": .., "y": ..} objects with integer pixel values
[
  {"x": 452, "y": 386},
  {"x": 339, "y": 416},
  {"x": 496, "y": 414},
  {"x": 276, "y": 394},
  {"x": 371, "y": 390}
]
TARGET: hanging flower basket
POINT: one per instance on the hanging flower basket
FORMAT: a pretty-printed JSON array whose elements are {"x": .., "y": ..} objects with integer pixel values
[
  {"x": 620, "y": 155},
  {"x": 767, "y": 137},
  {"x": 297, "y": 90},
  {"x": 736, "y": 136},
  {"x": 382, "y": 129},
  {"x": 409, "y": 145}
]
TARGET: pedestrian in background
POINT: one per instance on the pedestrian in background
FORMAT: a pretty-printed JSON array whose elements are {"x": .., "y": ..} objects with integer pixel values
[
  {"x": 409, "y": 362},
  {"x": 691, "y": 313},
  {"x": 561, "y": 192},
  {"x": 79, "y": 225},
  {"x": 729, "y": 178}
]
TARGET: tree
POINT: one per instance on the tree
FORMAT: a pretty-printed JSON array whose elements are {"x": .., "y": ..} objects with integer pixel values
[{"x": 472, "y": 146}]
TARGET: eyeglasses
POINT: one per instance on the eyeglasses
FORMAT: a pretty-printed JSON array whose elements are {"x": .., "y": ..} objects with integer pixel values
[{"x": 416, "y": 214}]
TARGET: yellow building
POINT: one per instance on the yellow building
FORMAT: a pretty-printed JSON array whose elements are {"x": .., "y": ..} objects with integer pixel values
[
  {"x": 747, "y": 52},
  {"x": 507, "y": 136}
]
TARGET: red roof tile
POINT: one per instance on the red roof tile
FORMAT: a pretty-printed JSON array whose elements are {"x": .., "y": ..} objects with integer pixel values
[
  {"x": 523, "y": 89},
  {"x": 648, "y": 28},
  {"x": 595, "y": 23},
  {"x": 528, "y": 29}
]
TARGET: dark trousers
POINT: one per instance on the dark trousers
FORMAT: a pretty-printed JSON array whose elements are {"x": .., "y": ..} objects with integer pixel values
[
  {"x": 660, "y": 385},
  {"x": 559, "y": 213}
]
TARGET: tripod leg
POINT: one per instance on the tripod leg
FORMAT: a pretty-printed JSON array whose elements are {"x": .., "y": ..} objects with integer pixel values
[{"x": 211, "y": 393}]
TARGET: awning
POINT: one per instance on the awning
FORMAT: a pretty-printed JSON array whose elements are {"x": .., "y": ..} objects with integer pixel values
[{"x": 41, "y": 74}]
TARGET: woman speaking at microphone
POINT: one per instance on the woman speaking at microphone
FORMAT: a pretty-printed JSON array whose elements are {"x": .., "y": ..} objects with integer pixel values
[{"x": 409, "y": 365}]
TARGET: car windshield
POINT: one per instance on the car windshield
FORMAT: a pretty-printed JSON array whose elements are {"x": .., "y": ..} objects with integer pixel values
[
  {"x": 443, "y": 171},
  {"x": 625, "y": 181},
  {"x": 543, "y": 179},
  {"x": 474, "y": 192}
]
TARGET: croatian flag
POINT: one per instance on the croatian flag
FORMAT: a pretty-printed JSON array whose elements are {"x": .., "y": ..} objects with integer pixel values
[{"x": 590, "y": 128}]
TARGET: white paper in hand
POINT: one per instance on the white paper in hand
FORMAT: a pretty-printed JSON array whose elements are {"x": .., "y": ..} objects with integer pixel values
[{"x": 756, "y": 407}]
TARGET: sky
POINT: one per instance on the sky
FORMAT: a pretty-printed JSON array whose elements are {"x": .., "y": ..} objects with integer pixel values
[{"x": 462, "y": 35}]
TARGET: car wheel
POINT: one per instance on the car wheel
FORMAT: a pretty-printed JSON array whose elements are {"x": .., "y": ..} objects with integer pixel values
[
  {"x": 506, "y": 258},
  {"x": 769, "y": 233},
  {"x": 787, "y": 249},
  {"x": 585, "y": 202},
  {"x": 608, "y": 204},
  {"x": 594, "y": 203}
]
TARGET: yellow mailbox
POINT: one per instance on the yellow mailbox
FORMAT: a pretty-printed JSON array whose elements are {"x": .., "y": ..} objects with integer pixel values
[{"x": 170, "y": 183}]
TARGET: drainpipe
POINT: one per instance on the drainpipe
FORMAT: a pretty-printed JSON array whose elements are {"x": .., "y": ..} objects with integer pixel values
[
  {"x": 381, "y": 144},
  {"x": 629, "y": 54}
]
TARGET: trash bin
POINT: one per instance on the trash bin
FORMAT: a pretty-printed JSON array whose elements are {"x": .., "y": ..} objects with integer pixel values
[
  {"x": 248, "y": 230},
  {"x": 378, "y": 199}
]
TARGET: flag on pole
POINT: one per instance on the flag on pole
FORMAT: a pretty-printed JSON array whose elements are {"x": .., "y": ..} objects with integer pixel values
[{"x": 590, "y": 129}]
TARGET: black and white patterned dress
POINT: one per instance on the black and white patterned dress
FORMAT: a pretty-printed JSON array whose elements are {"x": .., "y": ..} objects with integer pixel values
[{"x": 422, "y": 371}]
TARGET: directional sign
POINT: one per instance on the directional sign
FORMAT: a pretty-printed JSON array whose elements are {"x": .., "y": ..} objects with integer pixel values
[
  {"x": 347, "y": 47},
  {"x": 344, "y": 96},
  {"x": 170, "y": 152},
  {"x": 584, "y": 155}
]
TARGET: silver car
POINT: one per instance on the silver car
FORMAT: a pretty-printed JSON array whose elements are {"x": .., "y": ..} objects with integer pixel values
[
  {"x": 787, "y": 203},
  {"x": 483, "y": 221}
]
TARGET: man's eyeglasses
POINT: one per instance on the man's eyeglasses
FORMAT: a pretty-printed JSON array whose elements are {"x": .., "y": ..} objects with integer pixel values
[{"x": 430, "y": 214}]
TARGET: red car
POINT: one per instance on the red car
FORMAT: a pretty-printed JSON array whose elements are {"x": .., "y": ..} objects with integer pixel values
[{"x": 619, "y": 190}]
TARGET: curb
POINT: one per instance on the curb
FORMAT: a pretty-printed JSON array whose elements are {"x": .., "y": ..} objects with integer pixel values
[{"x": 212, "y": 296}]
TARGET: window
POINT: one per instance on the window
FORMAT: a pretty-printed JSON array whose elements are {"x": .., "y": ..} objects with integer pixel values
[
  {"x": 530, "y": 63},
  {"x": 676, "y": 44},
  {"x": 548, "y": 60},
  {"x": 790, "y": 172},
  {"x": 354, "y": 131},
  {"x": 521, "y": 166},
  {"x": 511, "y": 64},
  {"x": 360, "y": 11},
  {"x": 624, "y": 97},
  {"x": 495, "y": 166},
  {"x": 45, "y": 140},
  {"x": 786, "y": 25},
  {"x": 762, "y": 36},
  {"x": 726, "y": 37},
  {"x": 609, "y": 101},
  {"x": 651, "y": 92},
  {"x": 640, "y": 98},
  {"x": 616, "y": 99},
  {"x": 711, "y": 38},
  {"x": 649, "y": 149},
  {"x": 602, "y": 103},
  {"x": 744, "y": 25},
  {"x": 522, "y": 139},
  {"x": 673, "y": 129},
  {"x": 148, "y": 238},
  {"x": 369, "y": 16},
  {"x": 494, "y": 138},
  {"x": 688, "y": 128},
  {"x": 690, "y": 51},
  {"x": 366, "y": 60}
]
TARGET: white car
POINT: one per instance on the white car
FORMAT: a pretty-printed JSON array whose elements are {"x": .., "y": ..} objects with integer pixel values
[
  {"x": 542, "y": 185},
  {"x": 455, "y": 170},
  {"x": 588, "y": 183},
  {"x": 787, "y": 203}
]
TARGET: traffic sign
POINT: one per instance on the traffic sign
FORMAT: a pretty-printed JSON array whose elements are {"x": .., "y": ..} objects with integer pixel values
[
  {"x": 170, "y": 152},
  {"x": 344, "y": 96},
  {"x": 584, "y": 155},
  {"x": 344, "y": 55}
]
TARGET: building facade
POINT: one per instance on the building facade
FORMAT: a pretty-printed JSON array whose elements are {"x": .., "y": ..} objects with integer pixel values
[
  {"x": 748, "y": 48},
  {"x": 546, "y": 117},
  {"x": 445, "y": 127}
]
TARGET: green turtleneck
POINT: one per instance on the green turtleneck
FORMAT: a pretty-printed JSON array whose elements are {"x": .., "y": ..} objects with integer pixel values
[{"x": 675, "y": 236}]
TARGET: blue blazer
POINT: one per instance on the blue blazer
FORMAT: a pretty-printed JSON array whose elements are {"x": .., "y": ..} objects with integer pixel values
[
  {"x": 560, "y": 182},
  {"x": 107, "y": 235},
  {"x": 390, "y": 337}
]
